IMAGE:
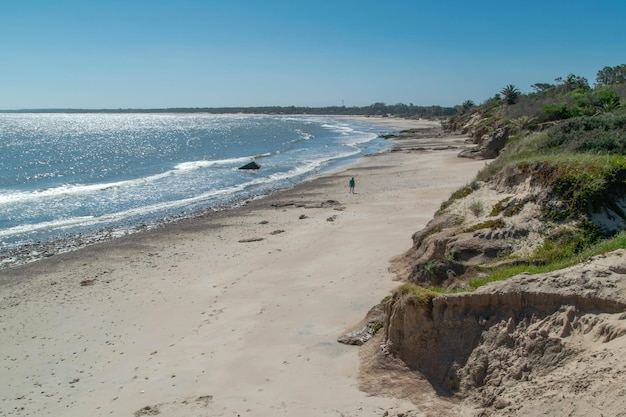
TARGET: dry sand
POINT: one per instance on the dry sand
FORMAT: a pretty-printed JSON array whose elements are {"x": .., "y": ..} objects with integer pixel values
[{"x": 235, "y": 313}]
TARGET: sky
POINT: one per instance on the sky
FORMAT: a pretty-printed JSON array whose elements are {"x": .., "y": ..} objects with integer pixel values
[{"x": 110, "y": 54}]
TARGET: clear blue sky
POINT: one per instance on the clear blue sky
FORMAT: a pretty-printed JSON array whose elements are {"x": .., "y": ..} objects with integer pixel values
[{"x": 185, "y": 53}]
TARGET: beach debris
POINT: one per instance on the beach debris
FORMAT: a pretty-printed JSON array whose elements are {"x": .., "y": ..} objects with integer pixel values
[
  {"x": 303, "y": 216},
  {"x": 204, "y": 399},
  {"x": 147, "y": 411},
  {"x": 251, "y": 165},
  {"x": 252, "y": 239},
  {"x": 87, "y": 282},
  {"x": 284, "y": 204},
  {"x": 331, "y": 218},
  {"x": 308, "y": 204},
  {"x": 263, "y": 222},
  {"x": 329, "y": 203},
  {"x": 275, "y": 232}
]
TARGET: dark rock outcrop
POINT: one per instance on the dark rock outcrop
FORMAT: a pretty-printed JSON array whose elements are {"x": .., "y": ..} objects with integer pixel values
[{"x": 251, "y": 165}]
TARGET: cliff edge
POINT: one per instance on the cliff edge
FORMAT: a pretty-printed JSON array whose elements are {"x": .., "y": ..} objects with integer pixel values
[{"x": 545, "y": 344}]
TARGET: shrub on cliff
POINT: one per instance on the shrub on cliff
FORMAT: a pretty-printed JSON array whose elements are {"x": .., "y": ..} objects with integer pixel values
[{"x": 600, "y": 134}]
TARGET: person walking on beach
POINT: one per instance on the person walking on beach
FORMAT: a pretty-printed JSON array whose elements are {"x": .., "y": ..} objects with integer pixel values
[{"x": 352, "y": 183}]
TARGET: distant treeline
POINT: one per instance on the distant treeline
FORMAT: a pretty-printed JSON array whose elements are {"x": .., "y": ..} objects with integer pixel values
[{"x": 376, "y": 109}]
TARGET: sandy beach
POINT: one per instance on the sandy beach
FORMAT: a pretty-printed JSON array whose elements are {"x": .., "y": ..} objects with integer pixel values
[{"x": 235, "y": 313}]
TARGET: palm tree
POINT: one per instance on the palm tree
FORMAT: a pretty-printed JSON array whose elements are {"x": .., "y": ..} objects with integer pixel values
[
  {"x": 510, "y": 93},
  {"x": 609, "y": 101}
]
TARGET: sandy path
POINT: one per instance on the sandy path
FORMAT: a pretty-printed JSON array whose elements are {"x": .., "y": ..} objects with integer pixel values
[{"x": 189, "y": 321}]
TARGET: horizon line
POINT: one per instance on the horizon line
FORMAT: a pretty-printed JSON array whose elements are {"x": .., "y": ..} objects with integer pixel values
[{"x": 196, "y": 109}]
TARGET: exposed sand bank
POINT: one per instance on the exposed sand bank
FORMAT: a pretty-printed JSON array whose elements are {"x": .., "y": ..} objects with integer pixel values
[{"x": 234, "y": 313}]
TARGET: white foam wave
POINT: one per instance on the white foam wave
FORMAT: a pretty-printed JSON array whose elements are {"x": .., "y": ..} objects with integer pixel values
[
  {"x": 366, "y": 137},
  {"x": 78, "y": 189},
  {"x": 51, "y": 225},
  {"x": 339, "y": 128},
  {"x": 193, "y": 165},
  {"x": 304, "y": 135}
]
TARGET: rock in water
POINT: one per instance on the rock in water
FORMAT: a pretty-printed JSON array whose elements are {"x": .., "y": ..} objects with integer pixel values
[{"x": 251, "y": 165}]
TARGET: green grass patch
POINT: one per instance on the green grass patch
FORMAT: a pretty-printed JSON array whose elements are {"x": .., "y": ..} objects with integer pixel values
[
  {"x": 514, "y": 209},
  {"x": 563, "y": 260},
  {"x": 507, "y": 210}
]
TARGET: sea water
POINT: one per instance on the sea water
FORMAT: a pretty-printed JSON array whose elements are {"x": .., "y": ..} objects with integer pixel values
[{"x": 79, "y": 174}]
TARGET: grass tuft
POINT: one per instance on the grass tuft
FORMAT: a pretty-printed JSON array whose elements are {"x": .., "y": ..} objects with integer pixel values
[{"x": 416, "y": 295}]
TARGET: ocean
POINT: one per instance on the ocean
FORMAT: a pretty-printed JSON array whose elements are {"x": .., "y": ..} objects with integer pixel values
[{"x": 83, "y": 177}]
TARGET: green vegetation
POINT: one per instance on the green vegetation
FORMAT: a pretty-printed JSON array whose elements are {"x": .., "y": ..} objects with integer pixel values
[
  {"x": 467, "y": 104},
  {"x": 415, "y": 294},
  {"x": 611, "y": 75},
  {"x": 507, "y": 209},
  {"x": 570, "y": 139},
  {"x": 376, "y": 326},
  {"x": 585, "y": 183},
  {"x": 563, "y": 260},
  {"x": 510, "y": 94},
  {"x": 500, "y": 206},
  {"x": 459, "y": 194},
  {"x": 602, "y": 134},
  {"x": 476, "y": 207},
  {"x": 430, "y": 267}
]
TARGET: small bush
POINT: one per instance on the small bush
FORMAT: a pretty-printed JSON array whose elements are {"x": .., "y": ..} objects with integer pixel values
[
  {"x": 557, "y": 112},
  {"x": 416, "y": 295},
  {"x": 476, "y": 207},
  {"x": 599, "y": 134}
]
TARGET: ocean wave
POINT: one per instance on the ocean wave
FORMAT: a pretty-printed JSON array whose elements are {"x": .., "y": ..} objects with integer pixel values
[
  {"x": 339, "y": 128},
  {"x": 193, "y": 165},
  {"x": 120, "y": 216},
  {"x": 81, "y": 189},
  {"x": 26, "y": 229},
  {"x": 364, "y": 138}
]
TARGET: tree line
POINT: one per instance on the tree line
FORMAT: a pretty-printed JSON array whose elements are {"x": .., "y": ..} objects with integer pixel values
[{"x": 376, "y": 109}]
